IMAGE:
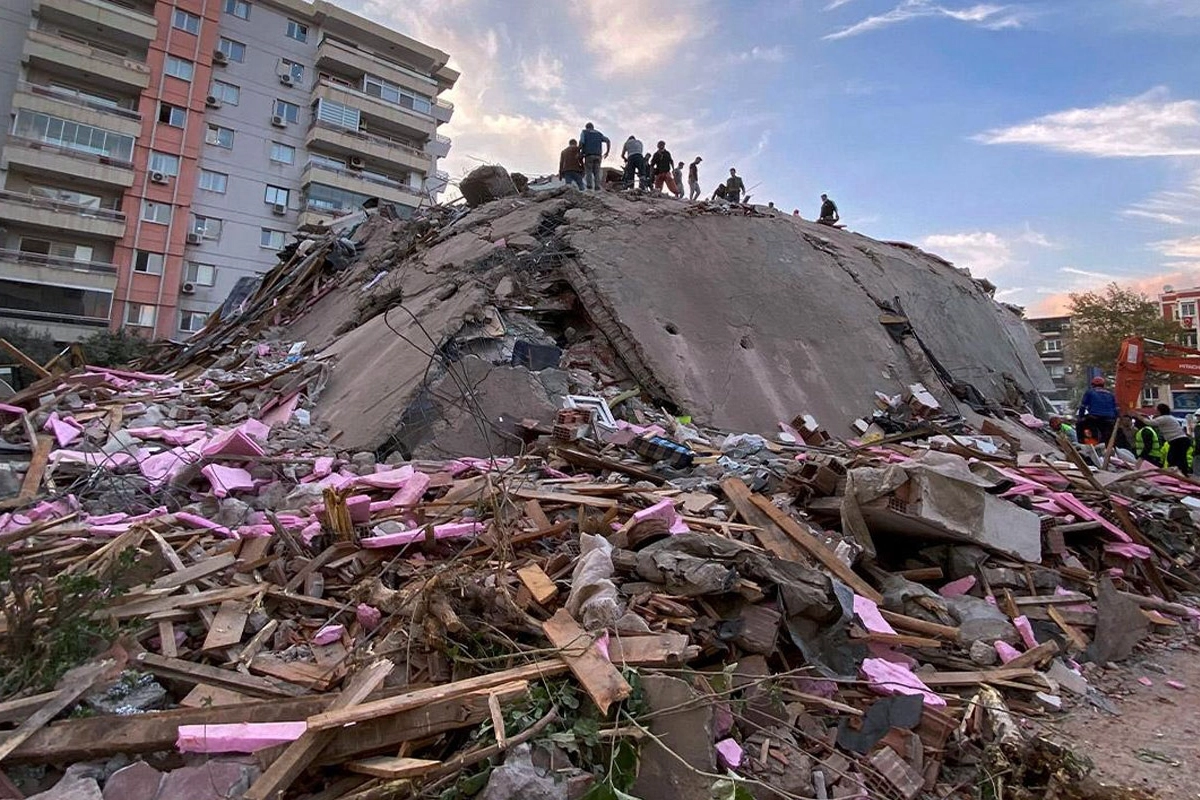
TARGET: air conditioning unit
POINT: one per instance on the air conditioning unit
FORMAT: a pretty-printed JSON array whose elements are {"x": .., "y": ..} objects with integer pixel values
[
  {"x": 219, "y": 57},
  {"x": 194, "y": 238},
  {"x": 278, "y": 121},
  {"x": 280, "y": 209},
  {"x": 158, "y": 177},
  {"x": 287, "y": 80},
  {"x": 188, "y": 288},
  {"x": 356, "y": 162},
  {"x": 212, "y": 101}
]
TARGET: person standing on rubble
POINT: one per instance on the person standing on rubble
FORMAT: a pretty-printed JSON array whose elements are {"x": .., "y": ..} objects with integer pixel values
[
  {"x": 662, "y": 163},
  {"x": 734, "y": 187},
  {"x": 1097, "y": 413},
  {"x": 1147, "y": 444},
  {"x": 633, "y": 154},
  {"x": 595, "y": 146},
  {"x": 570, "y": 165},
  {"x": 694, "y": 179},
  {"x": 829, "y": 211},
  {"x": 1170, "y": 431},
  {"x": 677, "y": 174}
]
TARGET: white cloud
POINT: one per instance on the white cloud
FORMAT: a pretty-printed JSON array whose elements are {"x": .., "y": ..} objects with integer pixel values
[
  {"x": 982, "y": 252},
  {"x": 542, "y": 75},
  {"x": 1185, "y": 248},
  {"x": 629, "y": 37},
  {"x": 1032, "y": 237},
  {"x": 1091, "y": 275},
  {"x": 985, "y": 15},
  {"x": 1179, "y": 205},
  {"x": 837, "y": 4},
  {"x": 771, "y": 55},
  {"x": 1151, "y": 125},
  {"x": 1153, "y": 216}
]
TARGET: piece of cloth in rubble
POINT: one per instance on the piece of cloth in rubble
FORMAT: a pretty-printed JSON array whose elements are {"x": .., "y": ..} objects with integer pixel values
[
  {"x": 898, "y": 711},
  {"x": 593, "y": 601}
]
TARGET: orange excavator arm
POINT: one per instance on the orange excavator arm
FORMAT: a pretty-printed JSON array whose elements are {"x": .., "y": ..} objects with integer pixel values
[{"x": 1134, "y": 362}]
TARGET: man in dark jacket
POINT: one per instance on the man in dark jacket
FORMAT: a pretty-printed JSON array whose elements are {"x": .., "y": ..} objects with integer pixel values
[
  {"x": 662, "y": 163},
  {"x": 734, "y": 188},
  {"x": 570, "y": 165},
  {"x": 1097, "y": 412},
  {"x": 829, "y": 211},
  {"x": 595, "y": 146}
]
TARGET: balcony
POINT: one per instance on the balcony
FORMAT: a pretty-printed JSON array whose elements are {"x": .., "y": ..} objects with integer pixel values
[
  {"x": 84, "y": 63},
  {"x": 120, "y": 23},
  {"x": 339, "y": 57},
  {"x": 437, "y": 182},
  {"x": 379, "y": 114},
  {"x": 41, "y": 212},
  {"x": 353, "y": 181},
  {"x": 443, "y": 110},
  {"x": 37, "y": 268},
  {"x": 39, "y": 157},
  {"x": 57, "y": 103},
  {"x": 438, "y": 146},
  {"x": 366, "y": 145}
]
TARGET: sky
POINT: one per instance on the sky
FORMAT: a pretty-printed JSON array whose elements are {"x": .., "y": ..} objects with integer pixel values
[{"x": 1051, "y": 146}]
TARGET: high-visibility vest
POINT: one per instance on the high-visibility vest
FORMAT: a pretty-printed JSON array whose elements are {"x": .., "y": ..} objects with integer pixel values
[{"x": 1158, "y": 450}]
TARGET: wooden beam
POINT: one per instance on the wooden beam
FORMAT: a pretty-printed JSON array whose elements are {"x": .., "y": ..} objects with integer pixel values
[
  {"x": 765, "y": 531},
  {"x": 299, "y": 754},
  {"x": 189, "y": 672},
  {"x": 73, "y": 685},
  {"x": 228, "y": 626},
  {"x": 1034, "y": 656},
  {"x": 921, "y": 626},
  {"x": 600, "y": 679},
  {"x": 37, "y": 468},
  {"x": 538, "y": 583},
  {"x": 24, "y": 360},
  {"x": 393, "y": 768}
]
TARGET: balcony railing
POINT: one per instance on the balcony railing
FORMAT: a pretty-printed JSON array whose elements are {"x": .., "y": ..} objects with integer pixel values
[
  {"x": 440, "y": 139},
  {"x": 421, "y": 115},
  {"x": 372, "y": 137},
  {"x": 345, "y": 172},
  {"x": 37, "y": 259},
  {"x": 76, "y": 100},
  {"x": 61, "y": 206},
  {"x": 87, "y": 50},
  {"x": 37, "y": 144},
  {"x": 446, "y": 104}
]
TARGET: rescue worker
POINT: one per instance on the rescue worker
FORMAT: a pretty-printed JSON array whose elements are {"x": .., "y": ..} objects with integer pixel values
[
  {"x": 1147, "y": 444},
  {"x": 1097, "y": 413},
  {"x": 1059, "y": 425},
  {"x": 829, "y": 211},
  {"x": 1170, "y": 431}
]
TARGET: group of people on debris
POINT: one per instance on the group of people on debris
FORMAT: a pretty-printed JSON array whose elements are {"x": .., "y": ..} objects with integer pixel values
[
  {"x": 579, "y": 165},
  {"x": 1161, "y": 440}
]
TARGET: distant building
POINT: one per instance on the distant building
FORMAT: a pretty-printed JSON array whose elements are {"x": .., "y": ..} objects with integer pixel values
[
  {"x": 1179, "y": 305},
  {"x": 1054, "y": 348},
  {"x": 154, "y": 152}
]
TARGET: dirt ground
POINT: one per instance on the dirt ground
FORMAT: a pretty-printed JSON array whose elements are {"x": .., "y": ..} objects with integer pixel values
[{"x": 1154, "y": 741}]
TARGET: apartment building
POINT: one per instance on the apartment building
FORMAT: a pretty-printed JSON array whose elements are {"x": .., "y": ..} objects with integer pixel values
[
  {"x": 1053, "y": 348},
  {"x": 156, "y": 152}
]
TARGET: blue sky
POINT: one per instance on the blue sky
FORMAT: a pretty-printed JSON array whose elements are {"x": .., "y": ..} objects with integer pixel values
[{"x": 1049, "y": 145}]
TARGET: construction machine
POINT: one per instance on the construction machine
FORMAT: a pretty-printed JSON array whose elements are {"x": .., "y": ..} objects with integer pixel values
[{"x": 1134, "y": 362}]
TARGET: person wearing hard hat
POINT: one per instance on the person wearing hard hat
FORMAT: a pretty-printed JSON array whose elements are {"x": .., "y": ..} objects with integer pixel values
[{"x": 1097, "y": 413}]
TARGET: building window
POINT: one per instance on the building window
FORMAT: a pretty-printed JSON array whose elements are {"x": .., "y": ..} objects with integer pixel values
[
  {"x": 1187, "y": 309},
  {"x": 147, "y": 262},
  {"x": 221, "y": 137},
  {"x": 289, "y": 111},
  {"x": 171, "y": 115},
  {"x": 165, "y": 163},
  {"x": 139, "y": 315},
  {"x": 226, "y": 92},
  {"x": 276, "y": 195},
  {"x": 83, "y": 201},
  {"x": 207, "y": 227},
  {"x": 1058, "y": 371},
  {"x": 159, "y": 213},
  {"x": 392, "y": 93},
  {"x": 1052, "y": 346},
  {"x": 200, "y": 274},
  {"x": 213, "y": 181},
  {"x": 234, "y": 51},
  {"x": 72, "y": 135},
  {"x": 182, "y": 20},
  {"x": 297, "y": 31},
  {"x": 283, "y": 153},
  {"x": 1188, "y": 339},
  {"x": 179, "y": 68},
  {"x": 1149, "y": 395},
  {"x": 296, "y": 71},
  {"x": 46, "y": 300},
  {"x": 238, "y": 8},
  {"x": 328, "y": 198},
  {"x": 192, "y": 321},
  {"x": 272, "y": 239},
  {"x": 38, "y": 250},
  {"x": 338, "y": 114}
]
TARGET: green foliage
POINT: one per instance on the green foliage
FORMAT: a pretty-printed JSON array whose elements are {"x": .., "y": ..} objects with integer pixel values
[
  {"x": 114, "y": 348},
  {"x": 38, "y": 345},
  {"x": 1100, "y": 320},
  {"x": 52, "y": 622}
]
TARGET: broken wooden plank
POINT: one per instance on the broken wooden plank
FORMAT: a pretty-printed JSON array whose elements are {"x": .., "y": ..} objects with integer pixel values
[
  {"x": 228, "y": 626},
  {"x": 37, "y": 468},
  {"x": 538, "y": 583},
  {"x": 600, "y": 679},
  {"x": 1077, "y": 638},
  {"x": 70, "y": 688},
  {"x": 1034, "y": 656},
  {"x": 661, "y": 648},
  {"x": 300, "y": 753},
  {"x": 765, "y": 531},
  {"x": 166, "y": 639},
  {"x": 947, "y": 632},
  {"x": 972, "y": 678},
  {"x": 567, "y": 498},
  {"x": 21, "y": 707},
  {"x": 416, "y": 699},
  {"x": 189, "y": 672},
  {"x": 533, "y": 510},
  {"x": 24, "y": 360},
  {"x": 393, "y": 768},
  {"x": 817, "y": 549},
  {"x": 201, "y": 569}
]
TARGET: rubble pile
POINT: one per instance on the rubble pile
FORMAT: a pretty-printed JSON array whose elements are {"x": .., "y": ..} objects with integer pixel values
[{"x": 259, "y": 566}]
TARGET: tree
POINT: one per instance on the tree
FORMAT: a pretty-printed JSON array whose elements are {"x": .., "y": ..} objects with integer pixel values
[{"x": 1100, "y": 320}]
